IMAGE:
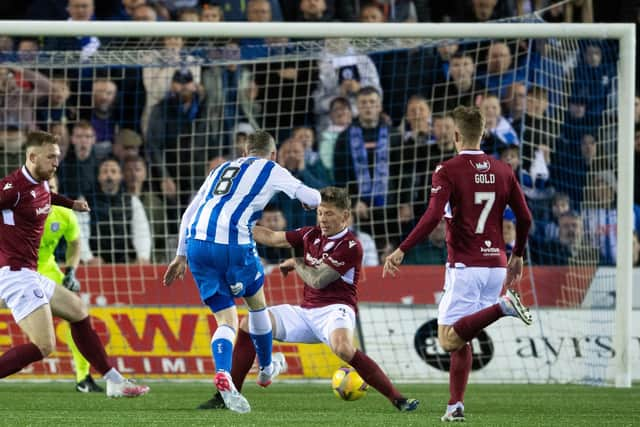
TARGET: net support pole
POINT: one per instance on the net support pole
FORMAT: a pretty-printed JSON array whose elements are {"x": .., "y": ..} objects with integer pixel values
[{"x": 626, "y": 92}]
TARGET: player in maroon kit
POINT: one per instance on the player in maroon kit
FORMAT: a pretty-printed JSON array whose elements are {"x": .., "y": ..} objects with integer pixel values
[
  {"x": 472, "y": 190},
  {"x": 25, "y": 201},
  {"x": 330, "y": 269}
]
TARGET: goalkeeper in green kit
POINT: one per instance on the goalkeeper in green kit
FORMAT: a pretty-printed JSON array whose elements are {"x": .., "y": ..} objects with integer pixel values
[{"x": 62, "y": 222}]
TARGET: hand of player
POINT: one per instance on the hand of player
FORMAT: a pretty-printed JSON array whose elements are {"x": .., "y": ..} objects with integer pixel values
[
  {"x": 287, "y": 266},
  {"x": 175, "y": 270},
  {"x": 392, "y": 263},
  {"x": 514, "y": 271},
  {"x": 69, "y": 281},
  {"x": 80, "y": 206}
]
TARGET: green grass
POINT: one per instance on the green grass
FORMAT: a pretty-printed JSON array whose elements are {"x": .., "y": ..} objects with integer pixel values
[{"x": 172, "y": 404}]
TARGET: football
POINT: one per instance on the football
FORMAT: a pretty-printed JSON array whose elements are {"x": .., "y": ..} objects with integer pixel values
[{"x": 348, "y": 385}]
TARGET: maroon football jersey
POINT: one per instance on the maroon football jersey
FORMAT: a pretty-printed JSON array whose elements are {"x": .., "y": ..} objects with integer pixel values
[
  {"x": 473, "y": 190},
  {"x": 341, "y": 252},
  {"x": 25, "y": 204}
]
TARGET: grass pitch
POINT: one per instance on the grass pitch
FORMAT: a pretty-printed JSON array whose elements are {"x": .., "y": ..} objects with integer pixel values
[{"x": 288, "y": 404}]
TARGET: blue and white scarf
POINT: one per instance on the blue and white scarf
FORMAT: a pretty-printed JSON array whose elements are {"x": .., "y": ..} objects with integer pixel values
[{"x": 374, "y": 189}]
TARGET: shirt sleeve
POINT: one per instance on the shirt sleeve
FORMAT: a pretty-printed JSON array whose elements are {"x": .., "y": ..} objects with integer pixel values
[
  {"x": 441, "y": 188},
  {"x": 72, "y": 228},
  {"x": 191, "y": 210},
  {"x": 9, "y": 195},
  {"x": 140, "y": 230},
  {"x": 296, "y": 237},
  {"x": 519, "y": 207},
  {"x": 60, "y": 200},
  {"x": 284, "y": 181}
]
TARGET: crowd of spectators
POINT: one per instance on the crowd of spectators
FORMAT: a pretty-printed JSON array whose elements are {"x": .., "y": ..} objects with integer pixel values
[{"x": 137, "y": 140}]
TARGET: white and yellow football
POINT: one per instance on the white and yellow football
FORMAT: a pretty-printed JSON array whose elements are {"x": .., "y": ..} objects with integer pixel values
[{"x": 348, "y": 385}]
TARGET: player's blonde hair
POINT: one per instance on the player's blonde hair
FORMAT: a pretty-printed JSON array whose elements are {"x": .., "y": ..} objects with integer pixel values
[
  {"x": 260, "y": 143},
  {"x": 470, "y": 122},
  {"x": 339, "y": 197},
  {"x": 38, "y": 138}
]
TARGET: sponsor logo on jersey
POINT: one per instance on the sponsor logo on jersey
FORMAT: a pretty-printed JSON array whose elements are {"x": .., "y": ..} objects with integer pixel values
[
  {"x": 7, "y": 186},
  {"x": 333, "y": 261},
  {"x": 482, "y": 166},
  {"x": 43, "y": 210},
  {"x": 489, "y": 250}
]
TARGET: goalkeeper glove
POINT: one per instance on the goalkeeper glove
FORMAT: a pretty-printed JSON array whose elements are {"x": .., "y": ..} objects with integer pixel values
[{"x": 70, "y": 282}]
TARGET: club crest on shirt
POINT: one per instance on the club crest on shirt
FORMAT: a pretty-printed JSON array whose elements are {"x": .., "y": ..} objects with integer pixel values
[
  {"x": 328, "y": 246},
  {"x": 55, "y": 226},
  {"x": 43, "y": 210},
  {"x": 315, "y": 242},
  {"x": 483, "y": 166}
]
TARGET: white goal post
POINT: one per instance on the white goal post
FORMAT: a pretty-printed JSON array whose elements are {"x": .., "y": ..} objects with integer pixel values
[{"x": 624, "y": 33}]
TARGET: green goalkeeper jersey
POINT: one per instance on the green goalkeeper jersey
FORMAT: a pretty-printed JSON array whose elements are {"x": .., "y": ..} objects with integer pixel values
[{"x": 61, "y": 222}]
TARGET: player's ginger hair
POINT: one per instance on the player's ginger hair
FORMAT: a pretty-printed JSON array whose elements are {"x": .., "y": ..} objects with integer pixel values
[
  {"x": 470, "y": 123},
  {"x": 38, "y": 138}
]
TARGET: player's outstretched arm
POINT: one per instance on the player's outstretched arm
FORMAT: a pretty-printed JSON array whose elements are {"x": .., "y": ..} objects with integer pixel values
[
  {"x": 309, "y": 197},
  {"x": 392, "y": 263},
  {"x": 268, "y": 237},
  {"x": 175, "y": 270},
  {"x": 514, "y": 271}
]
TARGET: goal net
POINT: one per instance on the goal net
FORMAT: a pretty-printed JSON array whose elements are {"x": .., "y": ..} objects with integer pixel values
[{"x": 143, "y": 119}]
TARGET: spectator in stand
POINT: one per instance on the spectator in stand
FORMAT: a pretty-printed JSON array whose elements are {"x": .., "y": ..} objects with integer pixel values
[
  {"x": 392, "y": 11},
  {"x": 188, "y": 14},
  {"x": 127, "y": 10},
  {"x": 177, "y": 142},
  {"x": 120, "y": 231},
  {"x": 18, "y": 101},
  {"x": 342, "y": 73},
  {"x": 291, "y": 156},
  {"x": 56, "y": 108},
  {"x": 370, "y": 12},
  {"x": 211, "y": 12},
  {"x": 461, "y": 88},
  {"x": 498, "y": 130},
  {"x": 273, "y": 219},
  {"x": 127, "y": 144},
  {"x": 538, "y": 131},
  {"x": 499, "y": 73},
  {"x": 433, "y": 251},
  {"x": 236, "y": 10},
  {"x": 12, "y": 139},
  {"x": 596, "y": 73},
  {"x": 370, "y": 256},
  {"x": 367, "y": 164},
  {"x": 340, "y": 117},
  {"x": 77, "y": 174},
  {"x": 307, "y": 137},
  {"x": 560, "y": 205},
  {"x": 483, "y": 11},
  {"x": 28, "y": 50},
  {"x": 573, "y": 162},
  {"x": 569, "y": 248},
  {"x": 79, "y": 10},
  {"x": 600, "y": 214},
  {"x": 535, "y": 181},
  {"x": 103, "y": 115},
  {"x": 339, "y": 10},
  {"x": 514, "y": 103},
  {"x": 313, "y": 11},
  {"x": 134, "y": 171},
  {"x": 61, "y": 131},
  {"x": 144, "y": 12},
  {"x": 578, "y": 11},
  {"x": 157, "y": 80}
]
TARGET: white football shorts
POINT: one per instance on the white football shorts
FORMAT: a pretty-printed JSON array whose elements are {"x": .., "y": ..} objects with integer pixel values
[
  {"x": 25, "y": 290},
  {"x": 467, "y": 290},
  {"x": 311, "y": 325}
]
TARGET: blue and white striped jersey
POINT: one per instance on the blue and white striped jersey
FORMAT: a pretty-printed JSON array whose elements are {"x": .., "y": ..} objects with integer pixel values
[{"x": 232, "y": 198}]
